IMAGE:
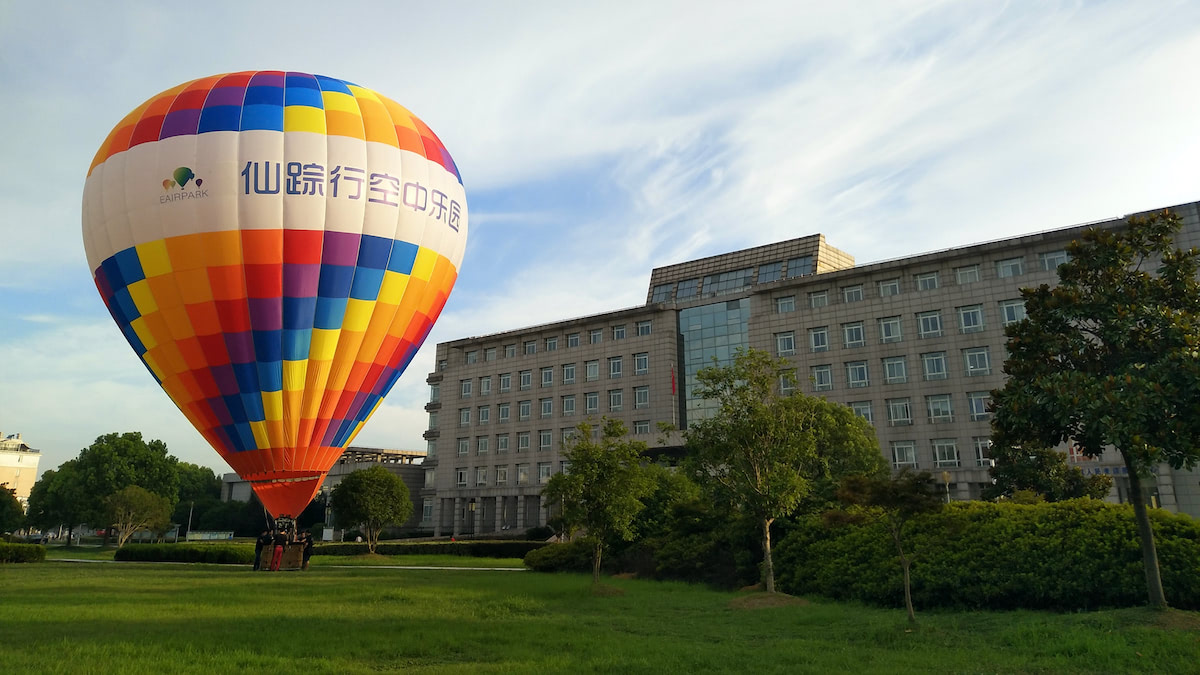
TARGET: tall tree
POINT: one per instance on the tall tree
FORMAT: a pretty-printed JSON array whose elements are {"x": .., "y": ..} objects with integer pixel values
[
  {"x": 12, "y": 515},
  {"x": 197, "y": 482},
  {"x": 133, "y": 509},
  {"x": 372, "y": 498},
  {"x": 601, "y": 490},
  {"x": 116, "y": 461},
  {"x": 57, "y": 498},
  {"x": 1111, "y": 357},
  {"x": 1043, "y": 471},
  {"x": 894, "y": 500},
  {"x": 765, "y": 451}
]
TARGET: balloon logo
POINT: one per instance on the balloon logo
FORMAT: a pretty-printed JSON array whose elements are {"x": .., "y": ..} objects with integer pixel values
[{"x": 278, "y": 299}]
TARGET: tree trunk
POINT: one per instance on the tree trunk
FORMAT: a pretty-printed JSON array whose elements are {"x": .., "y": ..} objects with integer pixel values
[
  {"x": 905, "y": 564},
  {"x": 596, "y": 562},
  {"x": 768, "y": 568},
  {"x": 1154, "y": 589}
]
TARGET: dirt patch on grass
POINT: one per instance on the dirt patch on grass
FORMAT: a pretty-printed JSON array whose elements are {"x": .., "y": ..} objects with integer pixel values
[
  {"x": 1171, "y": 619},
  {"x": 625, "y": 575},
  {"x": 760, "y": 600},
  {"x": 606, "y": 591}
]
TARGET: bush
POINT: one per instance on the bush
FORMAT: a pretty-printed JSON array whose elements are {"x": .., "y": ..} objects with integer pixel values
[
  {"x": 22, "y": 553},
  {"x": 475, "y": 549},
  {"x": 1072, "y": 555},
  {"x": 217, "y": 554},
  {"x": 574, "y": 556}
]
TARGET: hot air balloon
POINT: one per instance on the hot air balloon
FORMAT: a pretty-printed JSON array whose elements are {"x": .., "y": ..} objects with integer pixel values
[{"x": 275, "y": 246}]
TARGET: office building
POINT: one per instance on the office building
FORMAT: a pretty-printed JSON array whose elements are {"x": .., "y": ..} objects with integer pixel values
[{"x": 18, "y": 466}]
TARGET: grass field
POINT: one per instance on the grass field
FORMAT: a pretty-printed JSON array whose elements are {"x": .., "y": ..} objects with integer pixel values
[
  {"x": 150, "y": 618},
  {"x": 424, "y": 560}
]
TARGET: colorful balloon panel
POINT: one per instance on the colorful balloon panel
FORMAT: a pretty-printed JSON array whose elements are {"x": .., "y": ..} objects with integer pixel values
[{"x": 275, "y": 247}]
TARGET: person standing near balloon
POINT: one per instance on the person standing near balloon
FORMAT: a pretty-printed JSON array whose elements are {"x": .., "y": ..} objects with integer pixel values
[
  {"x": 265, "y": 540},
  {"x": 280, "y": 541}
]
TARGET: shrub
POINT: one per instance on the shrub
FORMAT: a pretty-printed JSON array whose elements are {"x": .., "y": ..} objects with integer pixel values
[
  {"x": 22, "y": 553},
  {"x": 218, "y": 554},
  {"x": 475, "y": 549},
  {"x": 574, "y": 556},
  {"x": 1072, "y": 555}
]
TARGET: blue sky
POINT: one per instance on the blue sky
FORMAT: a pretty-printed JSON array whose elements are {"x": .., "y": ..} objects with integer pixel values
[{"x": 597, "y": 141}]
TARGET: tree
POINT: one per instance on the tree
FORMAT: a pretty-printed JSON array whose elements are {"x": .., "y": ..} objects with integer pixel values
[
  {"x": 133, "y": 509},
  {"x": 764, "y": 451},
  {"x": 116, "y": 461},
  {"x": 197, "y": 482},
  {"x": 894, "y": 500},
  {"x": 12, "y": 514},
  {"x": 57, "y": 498},
  {"x": 372, "y": 498},
  {"x": 1111, "y": 357},
  {"x": 603, "y": 487},
  {"x": 1043, "y": 471}
]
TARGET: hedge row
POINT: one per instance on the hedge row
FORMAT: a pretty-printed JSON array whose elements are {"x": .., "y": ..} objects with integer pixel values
[
  {"x": 573, "y": 556},
  {"x": 19, "y": 553},
  {"x": 220, "y": 554},
  {"x": 1074, "y": 555},
  {"x": 476, "y": 549}
]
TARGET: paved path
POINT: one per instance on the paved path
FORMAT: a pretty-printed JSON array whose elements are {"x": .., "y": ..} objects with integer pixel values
[{"x": 344, "y": 567}]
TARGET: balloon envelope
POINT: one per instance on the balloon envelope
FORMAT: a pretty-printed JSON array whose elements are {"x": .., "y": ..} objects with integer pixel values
[{"x": 275, "y": 246}]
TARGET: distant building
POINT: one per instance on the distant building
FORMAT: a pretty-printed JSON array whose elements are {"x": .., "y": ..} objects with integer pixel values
[
  {"x": 403, "y": 463},
  {"x": 914, "y": 345},
  {"x": 18, "y": 466}
]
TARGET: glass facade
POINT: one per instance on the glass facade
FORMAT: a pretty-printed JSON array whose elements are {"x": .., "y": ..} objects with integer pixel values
[{"x": 710, "y": 332}]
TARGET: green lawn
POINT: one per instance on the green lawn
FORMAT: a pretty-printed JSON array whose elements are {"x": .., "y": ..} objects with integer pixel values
[{"x": 149, "y": 618}]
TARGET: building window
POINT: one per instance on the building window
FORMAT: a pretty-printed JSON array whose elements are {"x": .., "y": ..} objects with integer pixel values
[
  {"x": 485, "y": 414},
  {"x": 547, "y": 406},
  {"x": 524, "y": 410},
  {"x": 770, "y": 272},
  {"x": 983, "y": 451},
  {"x": 441, "y": 365},
  {"x": 502, "y": 475},
  {"x": 895, "y": 370},
  {"x": 568, "y": 405},
  {"x": 1011, "y": 267},
  {"x": 1012, "y": 311},
  {"x": 899, "y": 412},
  {"x": 929, "y": 324},
  {"x": 1051, "y": 261},
  {"x": 460, "y": 476},
  {"x": 889, "y": 288},
  {"x": 591, "y": 370},
  {"x": 945, "y": 453},
  {"x": 785, "y": 343},
  {"x": 641, "y": 363},
  {"x": 800, "y": 267},
  {"x": 641, "y": 427},
  {"x": 501, "y": 443},
  {"x": 502, "y": 412},
  {"x": 472, "y": 357},
  {"x": 548, "y": 376},
  {"x": 863, "y": 410},
  {"x": 464, "y": 447},
  {"x": 464, "y": 388},
  {"x": 643, "y": 327},
  {"x": 904, "y": 455},
  {"x": 889, "y": 329},
  {"x": 853, "y": 334},
  {"x": 614, "y": 367},
  {"x": 939, "y": 409},
  {"x": 543, "y": 472},
  {"x": 464, "y": 417},
  {"x": 785, "y": 304},
  {"x": 489, "y": 354},
  {"x": 505, "y": 383},
  {"x": 970, "y": 319},
  {"x": 430, "y": 449},
  {"x": 526, "y": 379},
  {"x": 566, "y": 436},
  {"x": 510, "y": 351},
  {"x": 787, "y": 382},
  {"x": 568, "y": 373},
  {"x": 818, "y": 299},
  {"x": 619, "y": 332},
  {"x": 728, "y": 282},
  {"x": 967, "y": 274},
  {"x": 522, "y": 474},
  {"x": 661, "y": 292},
  {"x": 427, "y": 509},
  {"x": 686, "y": 289},
  {"x": 616, "y": 399},
  {"x": 977, "y": 402},
  {"x": 435, "y": 393},
  {"x": 822, "y": 378},
  {"x": 591, "y": 402},
  {"x": 856, "y": 374},
  {"x": 481, "y": 445},
  {"x": 573, "y": 340},
  {"x": 595, "y": 336},
  {"x": 430, "y": 478},
  {"x": 433, "y": 420},
  {"x": 551, "y": 344},
  {"x": 927, "y": 281},
  {"x": 978, "y": 361},
  {"x": 818, "y": 339},
  {"x": 641, "y": 397},
  {"x": 545, "y": 438},
  {"x": 530, "y": 347},
  {"x": 852, "y": 293},
  {"x": 523, "y": 441},
  {"x": 485, "y": 385},
  {"x": 934, "y": 365}
]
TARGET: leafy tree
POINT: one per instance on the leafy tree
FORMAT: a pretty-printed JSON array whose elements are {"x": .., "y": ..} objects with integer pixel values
[
  {"x": 372, "y": 498},
  {"x": 1043, "y": 471},
  {"x": 116, "y": 461},
  {"x": 197, "y": 482},
  {"x": 764, "y": 452},
  {"x": 603, "y": 489},
  {"x": 895, "y": 500},
  {"x": 1111, "y": 357},
  {"x": 133, "y": 509},
  {"x": 12, "y": 515},
  {"x": 57, "y": 498}
]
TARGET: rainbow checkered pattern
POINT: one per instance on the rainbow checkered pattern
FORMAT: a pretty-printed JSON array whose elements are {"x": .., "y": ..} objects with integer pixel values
[{"x": 275, "y": 320}]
